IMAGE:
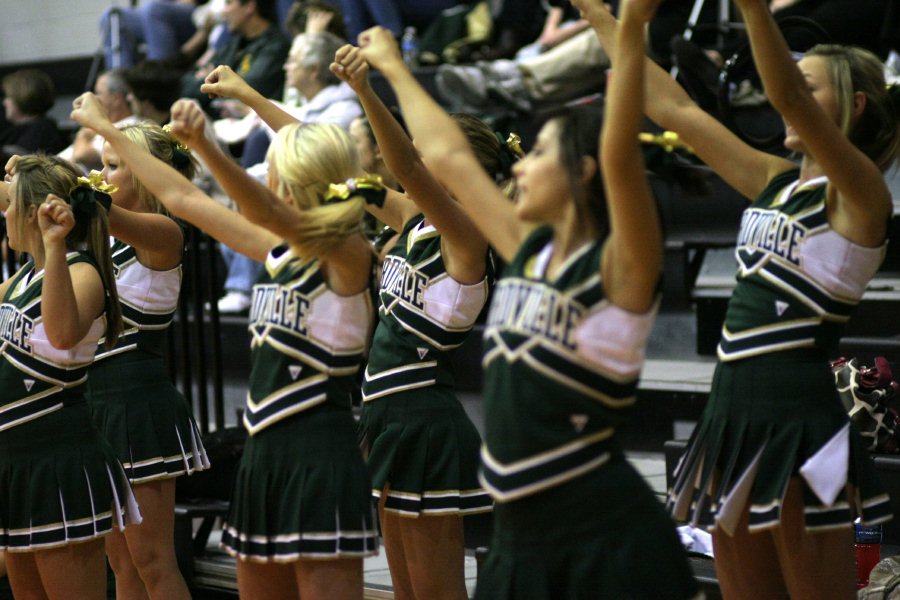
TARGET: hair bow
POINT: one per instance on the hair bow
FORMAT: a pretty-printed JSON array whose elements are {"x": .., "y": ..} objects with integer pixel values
[
  {"x": 89, "y": 191},
  {"x": 510, "y": 151},
  {"x": 371, "y": 189},
  {"x": 181, "y": 154},
  {"x": 667, "y": 140}
]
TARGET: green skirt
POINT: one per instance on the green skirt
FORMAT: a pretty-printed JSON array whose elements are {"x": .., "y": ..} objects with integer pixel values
[
  {"x": 146, "y": 420},
  {"x": 423, "y": 445},
  {"x": 602, "y": 535},
  {"x": 301, "y": 490},
  {"x": 60, "y": 483},
  {"x": 770, "y": 418}
]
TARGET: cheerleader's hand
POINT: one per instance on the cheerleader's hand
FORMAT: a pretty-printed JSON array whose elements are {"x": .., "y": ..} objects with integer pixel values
[
  {"x": 380, "y": 50},
  {"x": 55, "y": 220},
  {"x": 317, "y": 20},
  {"x": 188, "y": 123},
  {"x": 592, "y": 10},
  {"x": 10, "y": 168},
  {"x": 349, "y": 65},
  {"x": 88, "y": 111},
  {"x": 225, "y": 83}
]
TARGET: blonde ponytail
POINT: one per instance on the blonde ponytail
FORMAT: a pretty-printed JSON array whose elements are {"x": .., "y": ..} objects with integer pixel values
[{"x": 307, "y": 159}]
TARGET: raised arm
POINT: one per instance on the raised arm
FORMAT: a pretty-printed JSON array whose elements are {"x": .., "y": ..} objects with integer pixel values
[
  {"x": 863, "y": 202},
  {"x": 157, "y": 238},
  {"x": 225, "y": 83},
  {"x": 255, "y": 201},
  {"x": 444, "y": 147},
  {"x": 464, "y": 246},
  {"x": 741, "y": 166},
  {"x": 632, "y": 256},
  {"x": 397, "y": 150},
  {"x": 181, "y": 197},
  {"x": 73, "y": 296},
  {"x": 4, "y": 195}
]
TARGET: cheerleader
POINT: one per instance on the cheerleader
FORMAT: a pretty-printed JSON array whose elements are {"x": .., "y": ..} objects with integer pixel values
[
  {"x": 564, "y": 343},
  {"x": 134, "y": 403},
  {"x": 774, "y": 457},
  {"x": 299, "y": 521},
  {"x": 62, "y": 488}
]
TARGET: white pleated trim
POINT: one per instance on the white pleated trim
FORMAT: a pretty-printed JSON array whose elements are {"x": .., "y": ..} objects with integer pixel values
[
  {"x": 732, "y": 507},
  {"x": 825, "y": 471}
]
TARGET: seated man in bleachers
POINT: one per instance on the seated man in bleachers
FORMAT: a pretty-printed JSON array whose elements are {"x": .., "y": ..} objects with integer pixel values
[
  {"x": 565, "y": 62},
  {"x": 321, "y": 97},
  {"x": 256, "y": 49}
]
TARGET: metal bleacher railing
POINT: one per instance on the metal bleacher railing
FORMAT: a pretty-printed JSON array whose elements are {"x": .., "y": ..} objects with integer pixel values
[{"x": 195, "y": 347}]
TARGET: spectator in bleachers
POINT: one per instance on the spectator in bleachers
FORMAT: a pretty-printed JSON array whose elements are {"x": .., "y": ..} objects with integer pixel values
[
  {"x": 112, "y": 90},
  {"x": 162, "y": 25},
  {"x": 153, "y": 88},
  {"x": 395, "y": 15},
  {"x": 256, "y": 49},
  {"x": 28, "y": 96},
  {"x": 321, "y": 96},
  {"x": 551, "y": 75}
]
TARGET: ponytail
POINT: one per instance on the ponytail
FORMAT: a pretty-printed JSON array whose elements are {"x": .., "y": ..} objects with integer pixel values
[
  {"x": 307, "y": 160},
  {"x": 90, "y": 202},
  {"x": 40, "y": 175}
]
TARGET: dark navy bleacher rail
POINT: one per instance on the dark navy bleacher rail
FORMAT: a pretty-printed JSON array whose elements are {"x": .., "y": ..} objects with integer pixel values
[{"x": 195, "y": 343}]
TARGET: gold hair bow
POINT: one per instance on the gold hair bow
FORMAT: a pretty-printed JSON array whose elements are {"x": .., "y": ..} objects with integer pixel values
[
  {"x": 95, "y": 181},
  {"x": 514, "y": 144},
  {"x": 668, "y": 140},
  {"x": 90, "y": 191},
  {"x": 371, "y": 188},
  {"x": 343, "y": 191}
]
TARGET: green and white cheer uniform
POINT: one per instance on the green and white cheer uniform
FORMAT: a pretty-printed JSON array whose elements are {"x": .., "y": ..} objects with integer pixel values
[
  {"x": 774, "y": 412},
  {"x": 302, "y": 489},
  {"x": 131, "y": 395},
  {"x": 573, "y": 519},
  {"x": 61, "y": 482},
  {"x": 420, "y": 441}
]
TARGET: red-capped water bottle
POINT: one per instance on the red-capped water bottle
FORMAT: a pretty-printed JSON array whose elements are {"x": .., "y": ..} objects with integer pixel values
[{"x": 868, "y": 551}]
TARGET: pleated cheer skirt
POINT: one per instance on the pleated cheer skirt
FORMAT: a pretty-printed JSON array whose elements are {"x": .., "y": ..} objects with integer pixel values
[
  {"x": 423, "y": 446},
  {"x": 770, "y": 418},
  {"x": 302, "y": 491},
  {"x": 602, "y": 535},
  {"x": 60, "y": 483},
  {"x": 146, "y": 420}
]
